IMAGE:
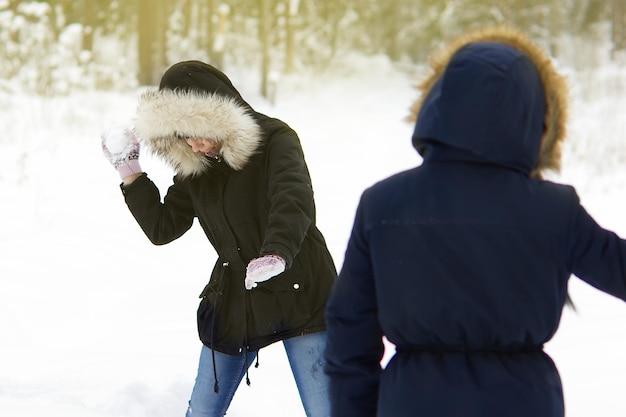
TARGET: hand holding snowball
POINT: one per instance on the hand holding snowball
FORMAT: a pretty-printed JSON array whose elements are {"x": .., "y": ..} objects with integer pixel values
[
  {"x": 263, "y": 268},
  {"x": 121, "y": 148}
]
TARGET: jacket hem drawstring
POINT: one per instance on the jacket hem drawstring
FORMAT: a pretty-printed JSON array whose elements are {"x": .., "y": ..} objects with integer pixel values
[
  {"x": 245, "y": 340},
  {"x": 246, "y": 362},
  {"x": 256, "y": 365},
  {"x": 216, "y": 385},
  {"x": 246, "y": 348}
]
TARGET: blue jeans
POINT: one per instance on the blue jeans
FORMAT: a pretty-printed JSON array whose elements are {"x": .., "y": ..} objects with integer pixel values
[{"x": 306, "y": 359}]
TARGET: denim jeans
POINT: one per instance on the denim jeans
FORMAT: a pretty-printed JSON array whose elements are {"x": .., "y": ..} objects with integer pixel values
[{"x": 306, "y": 359}]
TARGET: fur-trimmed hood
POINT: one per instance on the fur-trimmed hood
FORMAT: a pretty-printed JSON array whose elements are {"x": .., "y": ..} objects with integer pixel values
[
  {"x": 536, "y": 125},
  {"x": 196, "y": 100}
]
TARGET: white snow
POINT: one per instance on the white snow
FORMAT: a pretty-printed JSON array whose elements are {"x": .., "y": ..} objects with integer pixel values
[{"x": 98, "y": 322}]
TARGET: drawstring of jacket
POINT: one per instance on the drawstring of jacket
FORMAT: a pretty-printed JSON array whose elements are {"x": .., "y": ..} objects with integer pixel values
[
  {"x": 246, "y": 365},
  {"x": 245, "y": 338},
  {"x": 216, "y": 387},
  {"x": 256, "y": 365}
]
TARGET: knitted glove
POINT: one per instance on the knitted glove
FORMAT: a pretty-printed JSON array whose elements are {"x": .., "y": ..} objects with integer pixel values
[
  {"x": 263, "y": 268},
  {"x": 121, "y": 148}
]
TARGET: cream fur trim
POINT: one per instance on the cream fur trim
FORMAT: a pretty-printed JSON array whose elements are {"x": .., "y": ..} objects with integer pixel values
[{"x": 163, "y": 116}]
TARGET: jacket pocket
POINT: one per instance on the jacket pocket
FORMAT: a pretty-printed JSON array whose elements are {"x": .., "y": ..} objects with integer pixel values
[
  {"x": 206, "y": 318},
  {"x": 278, "y": 305}
]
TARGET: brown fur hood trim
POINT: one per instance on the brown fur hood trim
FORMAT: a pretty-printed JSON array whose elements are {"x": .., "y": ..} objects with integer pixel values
[
  {"x": 553, "y": 83},
  {"x": 165, "y": 117}
]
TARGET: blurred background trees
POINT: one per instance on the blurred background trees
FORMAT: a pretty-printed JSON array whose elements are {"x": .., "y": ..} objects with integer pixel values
[{"x": 53, "y": 47}]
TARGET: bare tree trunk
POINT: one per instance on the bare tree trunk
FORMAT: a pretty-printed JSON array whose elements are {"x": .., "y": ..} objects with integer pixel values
[
  {"x": 147, "y": 43},
  {"x": 57, "y": 18},
  {"x": 13, "y": 5},
  {"x": 264, "y": 38},
  {"x": 89, "y": 24},
  {"x": 391, "y": 10},
  {"x": 206, "y": 27},
  {"x": 160, "y": 35},
  {"x": 218, "y": 45},
  {"x": 618, "y": 25},
  {"x": 187, "y": 7},
  {"x": 555, "y": 26},
  {"x": 291, "y": 16}
]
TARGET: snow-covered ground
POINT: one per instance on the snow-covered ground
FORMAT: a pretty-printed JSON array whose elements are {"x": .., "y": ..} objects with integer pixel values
[{"x": 97, "y": 322}]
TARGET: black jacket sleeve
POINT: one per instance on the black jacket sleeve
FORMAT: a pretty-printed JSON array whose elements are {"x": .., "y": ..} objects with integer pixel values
[
  {"x": 162, "y": 222},
  {"x": 292, "y": 208}
]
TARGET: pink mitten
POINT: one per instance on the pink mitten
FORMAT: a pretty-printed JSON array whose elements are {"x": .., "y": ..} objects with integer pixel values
[
  {"x": 263, "y": 268},
  {"x": 121, "y": 148}
]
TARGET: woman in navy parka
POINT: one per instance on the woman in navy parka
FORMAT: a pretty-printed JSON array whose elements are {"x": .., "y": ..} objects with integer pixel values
[{"x": 463, "y": 262}]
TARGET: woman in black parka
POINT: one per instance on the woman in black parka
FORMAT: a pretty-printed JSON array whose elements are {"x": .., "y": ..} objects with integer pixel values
[
  {"x": 243, "y": 176},
  {"x": 463, "y": 262}
]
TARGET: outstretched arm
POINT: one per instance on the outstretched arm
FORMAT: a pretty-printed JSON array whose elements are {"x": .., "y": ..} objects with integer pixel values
[
  {"x": 162, "y": 222},
  {"x": 355, "y": 347}
]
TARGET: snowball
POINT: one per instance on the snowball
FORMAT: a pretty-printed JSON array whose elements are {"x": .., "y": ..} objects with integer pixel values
[{"x": 118, "y": 137}]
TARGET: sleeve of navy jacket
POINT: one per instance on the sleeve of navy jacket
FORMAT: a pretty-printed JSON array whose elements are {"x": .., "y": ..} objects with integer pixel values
[{"x": 352, "y": 320}]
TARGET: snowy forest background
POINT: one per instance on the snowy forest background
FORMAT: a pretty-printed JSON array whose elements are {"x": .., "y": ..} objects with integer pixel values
[
  {"x": 58, "y": 46},
  {"x": 97, "y": 322}
]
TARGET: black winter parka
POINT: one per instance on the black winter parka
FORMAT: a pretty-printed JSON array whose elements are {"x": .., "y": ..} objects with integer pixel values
[{"x": 262, "y": 205}]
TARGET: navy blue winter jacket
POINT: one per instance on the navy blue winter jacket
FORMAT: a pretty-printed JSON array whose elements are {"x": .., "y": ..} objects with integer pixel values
[{"x": 463, "y": 262}]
